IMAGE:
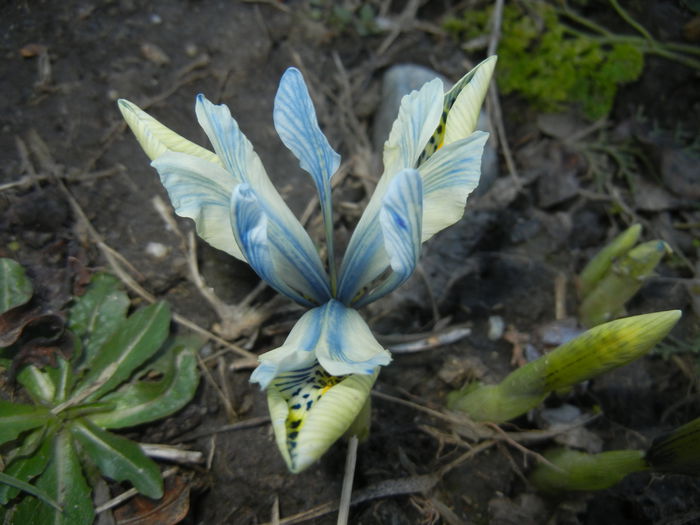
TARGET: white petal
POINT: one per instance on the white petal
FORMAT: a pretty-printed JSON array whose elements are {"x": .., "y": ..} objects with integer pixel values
[
  {"x": 344, "y": 342},
  {"x": 468, "y": 95},
  {"x": 336, "y": 335},
  {"x": 461, "y": 107},
  {"x": 394, "y": 241},
  {"x": 280, "y": 361},
  {"x": 311, "y": 410},
  {"x": 201, "y": 190},
  {"x": 418, "y": 117},
  {"x": 275, "y": 260},
  {"x": 449, "y": 176},
  {"x": 296, "y": 124},
  {"x": 155, "y": 138},
  {"x": 283, "y": 229}
]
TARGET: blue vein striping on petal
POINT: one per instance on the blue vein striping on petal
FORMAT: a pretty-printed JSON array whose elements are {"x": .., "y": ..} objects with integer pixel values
[
  {"x": 401, "y": 221},
  {"x": 251, "y": 230},
  {"x": 362, "y": 263},
  {"x": 346, "y": 344},
  {"x": 219, "y": 125},
  {"x": 448, "y": 170},
  {"x": 295, "y": 122},
  {"x": 284, "y": 233}
]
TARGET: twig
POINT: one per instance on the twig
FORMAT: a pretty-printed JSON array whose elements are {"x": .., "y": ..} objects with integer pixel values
[
  {"x": 127, "y": 494},
  {"x": 272, "y": 3},
  {"x": 230, "y": 412},
  {"x": 422, "y": 342},
  {"x": 113, "y": 258},
  {"x": 467, "y": 455},
  {"x": 560, "y": 296},
  {"x": 494, "y": 102},
  {"x": 383, "y": 489},
  {"x": 241, "y": 425},
  {"x": 346, "y": 492},
  {"x": 508, "y": 439},
  {"x": 171, "y": 453},
  {"x": 29, "y": 180},
  {"x": 403, "y": 22}
]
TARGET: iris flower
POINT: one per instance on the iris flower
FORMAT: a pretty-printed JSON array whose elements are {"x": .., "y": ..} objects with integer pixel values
[{"x": 319, "y": 380}]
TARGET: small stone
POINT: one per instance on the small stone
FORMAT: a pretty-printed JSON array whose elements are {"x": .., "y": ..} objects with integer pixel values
[
  {"x": 191, "y": 49},
  {"x": 155, "y": 19},
  {"x": 155, "y": 54},
  {"x": 496, "y": 327},
  {"x": 157, "y": 250}
]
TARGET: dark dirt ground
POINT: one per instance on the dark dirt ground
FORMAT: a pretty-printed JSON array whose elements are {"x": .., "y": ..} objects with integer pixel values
[{"x": 65, "y": 63}]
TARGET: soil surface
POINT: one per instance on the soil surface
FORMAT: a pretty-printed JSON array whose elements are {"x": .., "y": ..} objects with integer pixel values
[{"x": 64, "y": 65}]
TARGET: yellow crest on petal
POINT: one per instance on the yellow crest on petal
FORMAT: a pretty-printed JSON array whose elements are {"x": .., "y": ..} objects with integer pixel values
[
  {"x": 311, "y": 409},
  {"x": 461, "y": 108}
]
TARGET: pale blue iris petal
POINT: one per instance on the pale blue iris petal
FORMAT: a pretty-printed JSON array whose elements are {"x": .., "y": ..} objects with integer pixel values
[
  {"x": 295, "y": 121},
  {"x": 393, "y": 239},
  {"x": 296, "y": 352},
  {"x": 418, "y": 117},
  {"x": 346, "y": 344},
  {"x": 251, "y": 226},
  {"x": 364, "y": 258},
  {"x": 400, "y": 219},
  {"x": 200, "y": 190},
  {"x": 332, "y": 333},
  {"x": 283, "y": 228},
  {"x": 223, "y": 133},
  {"x": 279, "y": 361},
  {"x": 449, "y": 176}
]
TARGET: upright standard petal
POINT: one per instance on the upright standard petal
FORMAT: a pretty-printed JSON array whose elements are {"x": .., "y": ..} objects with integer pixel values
[
  {"x": 296, "y": 124},
  {"x": 201, "y": 190},
  {"x": 418, "y": 116},
  {"x": 394, "y": 241},
  {"x": 333, "y": 334},
  {"x": 282, "y": 227},
  {"x": 461, "y": 107},
  {"x": 449, "y": 176},
  {"x": 311, "y": 409},
  {"x": 155, "y": 138},
  {"x": 465, "y": 99}
]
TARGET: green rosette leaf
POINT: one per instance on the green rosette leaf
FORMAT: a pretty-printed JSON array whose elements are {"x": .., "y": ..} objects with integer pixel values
[
  {"x": 119, "y": 458},
  {"x": 64, "y": 483},
  {"x": 133, "y": 344},
  {"x": 15, "y": 286},
  {"x": 16, "y": 418},
  {"x": 98, "y": 314},
  {"x": 147, "y": 400}
]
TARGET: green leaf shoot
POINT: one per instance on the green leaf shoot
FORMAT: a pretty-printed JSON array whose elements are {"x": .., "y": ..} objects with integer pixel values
[{"x": 15, "y": 286}]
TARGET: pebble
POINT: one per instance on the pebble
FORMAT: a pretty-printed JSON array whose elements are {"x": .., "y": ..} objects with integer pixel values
[
  {"x": 496, "y": 327},
  {"x": 157, "y": 250}
]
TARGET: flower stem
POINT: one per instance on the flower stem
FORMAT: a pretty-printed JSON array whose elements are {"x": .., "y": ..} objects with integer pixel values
[{"x": 346, "y": 491}]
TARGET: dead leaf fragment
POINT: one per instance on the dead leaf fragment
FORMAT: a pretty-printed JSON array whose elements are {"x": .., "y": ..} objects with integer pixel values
[
  {"x": 32, "y": 50},
  {"x": 169, "y": 510}
]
